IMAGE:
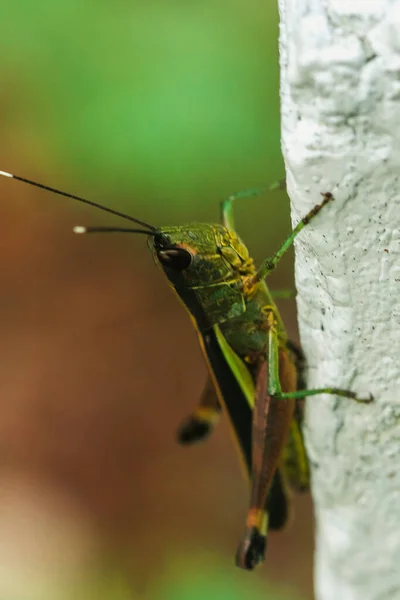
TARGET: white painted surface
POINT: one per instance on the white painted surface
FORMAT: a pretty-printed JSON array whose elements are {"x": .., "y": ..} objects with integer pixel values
[{"x": 340, "y": 91}]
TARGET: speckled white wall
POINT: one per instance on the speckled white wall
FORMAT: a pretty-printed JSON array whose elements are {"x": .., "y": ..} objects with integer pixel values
[{"x": 340, "y": 89}]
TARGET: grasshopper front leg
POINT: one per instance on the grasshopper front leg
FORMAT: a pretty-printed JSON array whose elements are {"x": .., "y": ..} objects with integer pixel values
[
  {"x": 302, "y": 393},
  {"x": 227, "y": 204},
  {"x": 270, "y": 263}
]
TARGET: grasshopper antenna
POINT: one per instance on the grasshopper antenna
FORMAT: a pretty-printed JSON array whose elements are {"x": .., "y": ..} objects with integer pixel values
[
  {"x": 80, "y": 229},
  {"x": 83, "y": 200}
]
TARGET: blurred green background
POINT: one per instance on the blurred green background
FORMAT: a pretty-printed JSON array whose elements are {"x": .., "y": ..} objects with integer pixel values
[{"x": 159, "y": 109}]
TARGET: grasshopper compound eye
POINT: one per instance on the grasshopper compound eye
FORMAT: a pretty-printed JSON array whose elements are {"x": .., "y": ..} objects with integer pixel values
[{"x": 175, "y": 258}]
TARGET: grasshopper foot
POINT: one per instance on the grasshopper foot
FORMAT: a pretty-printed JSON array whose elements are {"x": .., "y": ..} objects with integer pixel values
[
  {"x": 367, "y": 398},
  {"x": 251, "y": 550}
]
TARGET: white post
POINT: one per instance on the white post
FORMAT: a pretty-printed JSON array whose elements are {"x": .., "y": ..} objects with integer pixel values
[{"x": 340, "y": 90}]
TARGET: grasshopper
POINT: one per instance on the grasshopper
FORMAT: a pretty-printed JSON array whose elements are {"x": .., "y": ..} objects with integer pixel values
[{"x": 255, "y": 372}]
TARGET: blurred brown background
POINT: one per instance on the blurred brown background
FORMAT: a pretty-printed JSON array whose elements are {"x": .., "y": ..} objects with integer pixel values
[{"x": 159, "y": 111}]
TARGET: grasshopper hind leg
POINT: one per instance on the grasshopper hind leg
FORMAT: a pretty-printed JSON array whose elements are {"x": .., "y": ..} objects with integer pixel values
[
  {"x": 227, "y": 204},
  {"x": 271, "y": 432},
  {"x": 199, "y": 425}
]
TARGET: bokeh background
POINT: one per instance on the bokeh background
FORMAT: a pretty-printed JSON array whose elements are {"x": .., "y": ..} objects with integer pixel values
[{"x": 159, "y": 109}]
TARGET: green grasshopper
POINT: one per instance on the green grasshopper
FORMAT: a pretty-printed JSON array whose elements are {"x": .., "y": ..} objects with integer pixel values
[{"x": 253, "y": 377}]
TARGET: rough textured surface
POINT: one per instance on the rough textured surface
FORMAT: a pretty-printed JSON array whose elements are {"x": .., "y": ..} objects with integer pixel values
[{"x": 340, "y": 91}]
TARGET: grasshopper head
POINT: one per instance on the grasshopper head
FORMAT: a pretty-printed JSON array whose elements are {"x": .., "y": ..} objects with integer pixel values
[
  {"x": 204, "y": 264},
  {"x": 198, "y": 255}
]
